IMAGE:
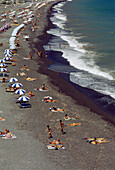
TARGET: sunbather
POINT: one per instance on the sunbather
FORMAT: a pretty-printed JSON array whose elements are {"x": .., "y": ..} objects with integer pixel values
[
  {"x": 4, "y": 80},
  {"x": 54, "y": 109},
  {"x": 57, "y": 142},
  {"x": 5, "y": 132},
  {"x": 30, "y": 79},
  {"x": 31, "y": 94},
  {"x": 2, "y": 118},
  {"x": 25, "y": 68},
  {"x": 73, "y": 124},
  {"x": 43, "y": 88},
  {"x": 10, "y": 90},
  {"x": 68, "y": 118},
  {"x": 96, "y": 140},
  {"x": 49, "y": 132},
  {"x": 48, "y": 99},
  {"x": 21, "y": 74}
]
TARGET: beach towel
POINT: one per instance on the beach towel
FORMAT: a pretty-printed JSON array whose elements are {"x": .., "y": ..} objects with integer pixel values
[
  {"x": 43, "y": 90},
  {"x": 70, "y": 118},
  {"x": 13, "y": 137},
  {"x": 73, "y": 124},
  {"x": 26, "y": 58},
  {"x": 54, "y": 148},
  {"x": 21, "y": 74},
  {"x": 2, "y": 119}
]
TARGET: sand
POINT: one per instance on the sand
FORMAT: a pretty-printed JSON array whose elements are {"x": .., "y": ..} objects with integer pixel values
[{"x": 29, "y": 149}]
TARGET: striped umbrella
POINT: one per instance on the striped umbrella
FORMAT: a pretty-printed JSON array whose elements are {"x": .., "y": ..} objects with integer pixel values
[
  {"x": 20, "y": 91},
  {"x": 8, "y": 55},
  {"x": 17, "y": 85},
  {"x": 2, "y": 61},
  {"x": 23, "y": 98},
  {"x": 13, "y": 79},
  {"x": 3, "y": 70},
  {"x": 7, "y": 58},
  {"x": 2, "y": 65},
  {"x": 7, "y": 52}
]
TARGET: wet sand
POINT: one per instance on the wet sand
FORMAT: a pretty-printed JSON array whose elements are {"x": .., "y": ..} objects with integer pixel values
[{"x": 29, "y": 150}]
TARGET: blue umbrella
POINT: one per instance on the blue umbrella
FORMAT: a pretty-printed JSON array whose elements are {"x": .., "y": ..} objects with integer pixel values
[
  {"x": 8, "y": 55},
  {"x": 20, "y": 91},
  {"x": 2, "y": 65},
  {"x": 3, "y": 70},
  {"x": 13, "y": 79},
  {"x": 23, "y": 98},
  {"x": 7, "y": 58},
  {"x": 17, "y": 85},
  {"x": 2, "y": 61}
]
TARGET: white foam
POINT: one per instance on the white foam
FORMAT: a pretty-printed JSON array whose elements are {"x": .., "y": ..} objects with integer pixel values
[{"x": 92, "y": 82}]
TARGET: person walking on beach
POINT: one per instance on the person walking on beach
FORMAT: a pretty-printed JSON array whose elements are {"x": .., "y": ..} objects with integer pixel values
[
  {"x": 62, "y": 126},
  {"x": 49, "y": 131},
  {"x": 30, "y": 55}
]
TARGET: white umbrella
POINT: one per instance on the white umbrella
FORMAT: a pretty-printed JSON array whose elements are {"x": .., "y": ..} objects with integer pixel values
[
  {"x": 20, "y": 91},
  {"x": 23, "y": 98},
  {"x": 2, "y": 65},
  {"x": 2, "y": 61},
  {"x": 17, "y": 85},
  {"x": 13, "y": 79},
  {"x": 7, "y": 58},
  {"x": 8, "y": 55},
  {"x": 3, "y": 70}
]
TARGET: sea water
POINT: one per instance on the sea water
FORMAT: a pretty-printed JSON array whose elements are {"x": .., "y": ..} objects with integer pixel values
[{"x": 84, "y": 32}]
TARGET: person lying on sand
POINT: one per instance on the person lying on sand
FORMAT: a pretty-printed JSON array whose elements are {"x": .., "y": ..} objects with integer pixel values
[
  {"x": 4, "y": 80},
  {"x": 96, "y": 140},
  {"x": 73, "y": 124},
  {"x": 56, "y": 142},
  {"x": 21, "y": 74},
  {"x": 71, "y": 118},
  {"x": 5, "y": 132},
  {"x": 2, "y": 119},
  {"x": 31, "y": 94},
  {"x": 25, "y": 68},
  {"x": 9, "y": 90},
  {"x": 54, "y": 109},
  {"x": 48, "y": 99},
  {"x": 44, "y": 87},
  {"x": 30, "y": 79},
  {"x": 49, "y": 131}
]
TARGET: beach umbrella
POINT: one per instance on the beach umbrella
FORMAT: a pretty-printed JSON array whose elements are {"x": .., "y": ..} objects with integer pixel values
[
  {"x": 7, "y": 58},
  {"x": 7, "y": 50},
  {"x": 20, "y": 91},
  {"x": 8, "y": 55},
  {"x": 3, "y": 70},
  {"x": 23, "y": 98},
  {"x": 2, "y": 65},
  {"x": 2, "y": 61},
  {"x": 13, "y": 79},
  {"x": 17, "y": 85}
]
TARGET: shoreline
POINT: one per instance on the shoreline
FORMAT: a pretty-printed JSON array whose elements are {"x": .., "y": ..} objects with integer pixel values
[{"x": 71, "y": 89}]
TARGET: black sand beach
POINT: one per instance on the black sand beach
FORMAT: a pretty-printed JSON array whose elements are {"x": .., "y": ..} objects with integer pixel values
[{"x": 29, "y": 149}]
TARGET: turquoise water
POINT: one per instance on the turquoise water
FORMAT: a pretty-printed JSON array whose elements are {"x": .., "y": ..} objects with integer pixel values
[
  {"x": 95, "y": 20},
  {"x": 85, "y": 29}
]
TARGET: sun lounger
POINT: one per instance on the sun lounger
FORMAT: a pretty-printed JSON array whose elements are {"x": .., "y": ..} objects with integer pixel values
[{"x": 9, "y": 90}]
